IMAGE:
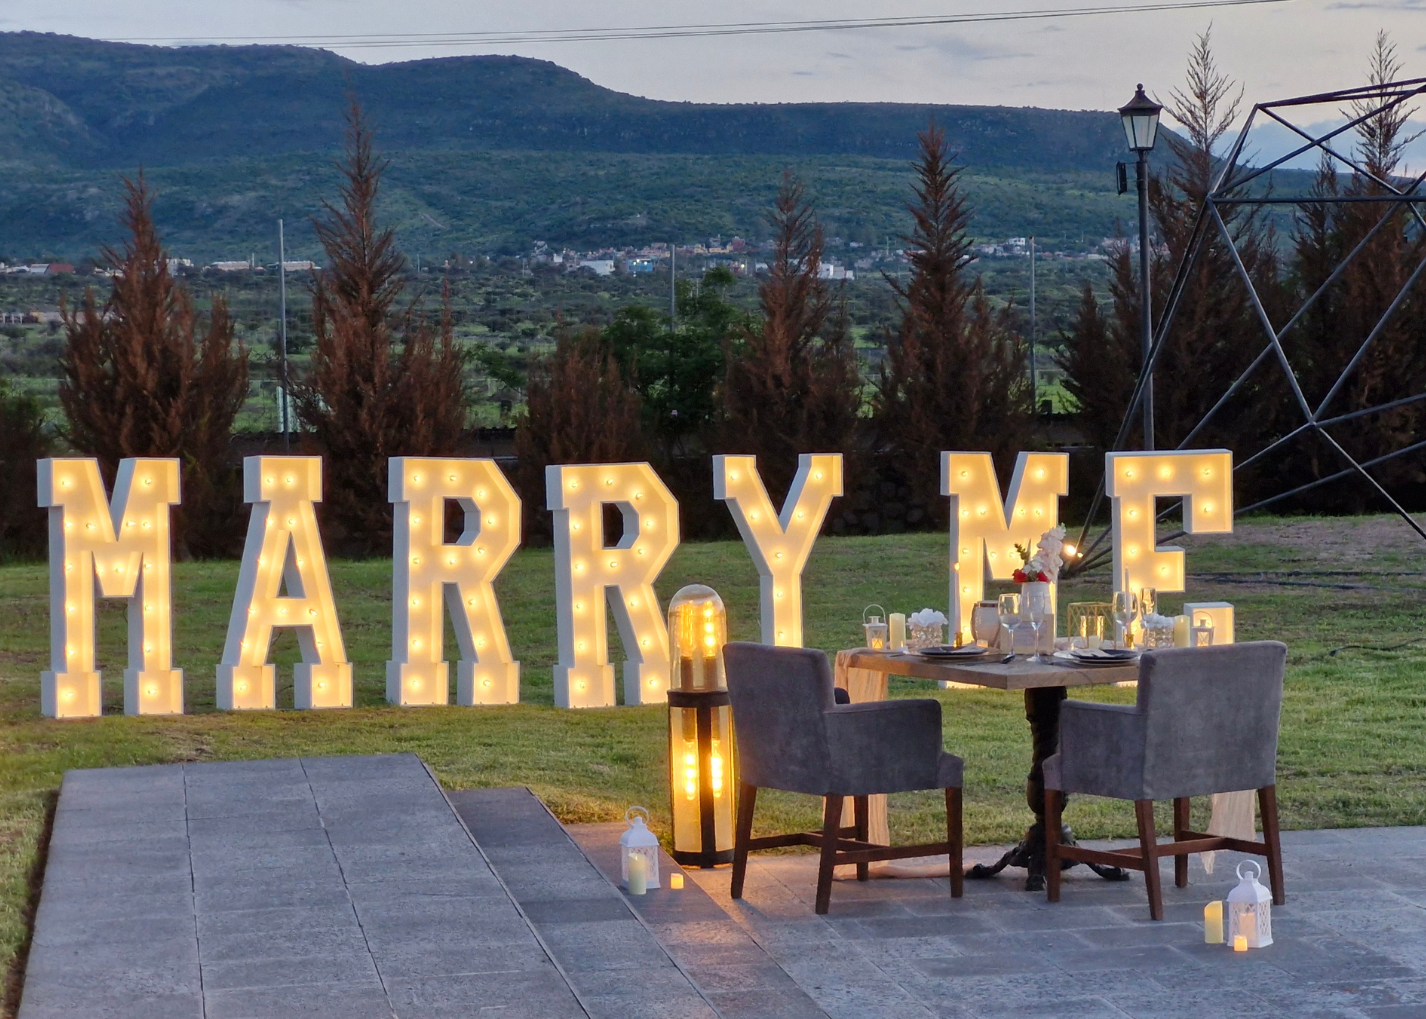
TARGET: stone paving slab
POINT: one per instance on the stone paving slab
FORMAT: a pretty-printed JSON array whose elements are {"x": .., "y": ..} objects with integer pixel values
[
  {"x": 611, "y": 957},
  {"x": 326, "y": 888},
  {"x": 723, "y": 959},
  {"x": 1349, "y": 943}
]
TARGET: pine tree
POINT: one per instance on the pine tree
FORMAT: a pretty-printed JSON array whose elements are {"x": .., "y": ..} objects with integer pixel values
[
  {"x": 382, "y": 381},
  {"x": 1215, "y": 333},
  {"x": 1394, "y": 366},
  {"x": 955, "y": 371},
  {"x": 792, "y": 384},
  {"x": 579, "y": 409},
  {"x": 140, "y": 380}
]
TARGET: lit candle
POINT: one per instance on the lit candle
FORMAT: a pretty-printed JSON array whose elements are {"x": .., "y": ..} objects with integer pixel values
[
  {"x": 675, "y": 882},
  {"x": 898, "y": 630},
  {"x": 1240, "y": 944},
  {"x": 1180, "y": 639},
  {"x": 1213, "y": 923},
  {"x": 638, "y": 875}
]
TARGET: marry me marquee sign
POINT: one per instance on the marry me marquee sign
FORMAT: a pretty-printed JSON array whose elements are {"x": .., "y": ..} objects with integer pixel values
[{"x": 120, "y": 548}]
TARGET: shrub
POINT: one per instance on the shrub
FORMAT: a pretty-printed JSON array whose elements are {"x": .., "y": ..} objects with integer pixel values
[{"x": 23, "y": 440}]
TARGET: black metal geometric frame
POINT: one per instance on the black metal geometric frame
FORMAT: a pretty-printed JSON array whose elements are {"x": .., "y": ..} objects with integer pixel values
[{"x": 1210, "y": 223}]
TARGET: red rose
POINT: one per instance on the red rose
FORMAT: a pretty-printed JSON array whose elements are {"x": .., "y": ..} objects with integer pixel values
[{"x": 1019, "y": 577}]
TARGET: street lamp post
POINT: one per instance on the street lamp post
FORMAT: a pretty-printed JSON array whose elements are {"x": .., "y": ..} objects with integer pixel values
[{"x": 1141, "y": 128}]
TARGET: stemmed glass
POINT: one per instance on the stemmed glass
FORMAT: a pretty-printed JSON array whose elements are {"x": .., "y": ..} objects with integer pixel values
[
  {"x": 1036, "y": 606},
  {"x": 1008, "y": 607},
  {"x": 1126, "y": 609}
]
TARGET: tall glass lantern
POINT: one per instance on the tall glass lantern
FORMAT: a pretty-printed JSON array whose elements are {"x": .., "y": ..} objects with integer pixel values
[{"x": 700, "y": 729}]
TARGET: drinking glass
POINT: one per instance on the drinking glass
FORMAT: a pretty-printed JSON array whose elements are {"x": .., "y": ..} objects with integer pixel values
[
  {"x": 1035, "y": 622},
  {"x": 1126, "y": 609},
  {"x": 1148, "y": 601},
  {"x": 1008, "y": 607}
]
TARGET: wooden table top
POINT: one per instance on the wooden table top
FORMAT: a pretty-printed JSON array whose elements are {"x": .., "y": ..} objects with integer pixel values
[{"x": 1020, "y": 674}]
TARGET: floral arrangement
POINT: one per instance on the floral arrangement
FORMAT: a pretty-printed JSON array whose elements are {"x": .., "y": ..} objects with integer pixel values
[{"x": 1043, "y": 566}]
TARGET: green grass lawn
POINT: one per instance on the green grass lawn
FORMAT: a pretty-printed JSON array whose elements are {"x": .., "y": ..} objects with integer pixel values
[{"x": 1351, "y": 749}]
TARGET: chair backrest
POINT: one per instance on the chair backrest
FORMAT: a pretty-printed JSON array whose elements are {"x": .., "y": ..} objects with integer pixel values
[
  {"x": 1211, "y": 717},
  {"x": 779, "y": 695}
]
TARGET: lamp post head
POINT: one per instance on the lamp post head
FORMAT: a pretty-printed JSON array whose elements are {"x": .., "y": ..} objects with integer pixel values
[{"x": 1141, "y": 121}]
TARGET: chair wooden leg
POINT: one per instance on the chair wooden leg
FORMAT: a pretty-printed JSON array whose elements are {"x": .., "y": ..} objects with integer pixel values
[
  {"x": 747, "y": 797},
  {"x": 831, "y": 821},
  {"x": 1272, "y": 835},
  {"x": 956, "y": 837},
  {"x": 1180, "y": 825},
  {"x": 859, "y": 813},
  {"x": 1054, "y": 811},
  {"x": 1149, "y": 846}
]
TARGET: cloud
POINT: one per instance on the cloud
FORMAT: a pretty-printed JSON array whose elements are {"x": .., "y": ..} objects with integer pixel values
[
  {"x": 841, "y": 56},
  {"x": 804, "y": 74}
]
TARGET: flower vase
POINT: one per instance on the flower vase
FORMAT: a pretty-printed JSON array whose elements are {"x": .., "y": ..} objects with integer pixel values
[{"x": 1035, "y": 600}]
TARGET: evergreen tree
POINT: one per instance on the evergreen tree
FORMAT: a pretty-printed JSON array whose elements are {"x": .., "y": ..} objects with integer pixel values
[
  {"x": 1324, "y": 343},
  {"x": 1216, "y": 333},
  {"x": 955, "y": 371},
  {"x": 791, "y": 384},
  {"x": 140, "y": 378},
  {"x": 382, "y": 382}
]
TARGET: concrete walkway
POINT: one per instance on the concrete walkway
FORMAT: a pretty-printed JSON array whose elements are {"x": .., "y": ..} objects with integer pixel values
[{"x": 333, "y": 887}]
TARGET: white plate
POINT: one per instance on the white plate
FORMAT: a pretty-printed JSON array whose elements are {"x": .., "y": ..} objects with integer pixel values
[
  {"x": 1067, "y": 656},
  {"x": 960, "y": 652}
]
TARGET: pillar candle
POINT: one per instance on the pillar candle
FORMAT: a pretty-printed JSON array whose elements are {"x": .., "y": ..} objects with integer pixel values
[
  {"x": 1180, "y": 634},
  {"x": 638, "y": 875},
  {"x": 1213, "y": 923},
  {"x": 897, "y": 621}
]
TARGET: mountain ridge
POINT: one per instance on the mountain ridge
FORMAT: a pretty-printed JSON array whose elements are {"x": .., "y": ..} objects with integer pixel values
[{"x": 81, "y": 103}]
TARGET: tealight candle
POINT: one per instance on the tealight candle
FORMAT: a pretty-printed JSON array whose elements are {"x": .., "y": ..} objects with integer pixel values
[
  {"x": 897, "y": 621},
  {"x": 675, "y": 883},
  {"x": 1213, "y": 923},
  {"x": 1240, "y": 943}
]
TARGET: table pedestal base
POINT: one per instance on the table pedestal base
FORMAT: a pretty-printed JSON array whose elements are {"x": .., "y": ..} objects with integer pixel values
[
  {"x": 1042, "y": 711},
  {"x": 1030, "y": 854}
]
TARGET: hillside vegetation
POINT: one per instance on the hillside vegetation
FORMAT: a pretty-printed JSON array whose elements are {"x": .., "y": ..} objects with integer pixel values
[
  {"x": 117, "y": 104},
  {"x": 490, "y": 153}
]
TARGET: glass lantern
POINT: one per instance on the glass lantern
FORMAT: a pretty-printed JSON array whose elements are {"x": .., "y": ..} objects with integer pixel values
[
  {"x": 700, "y": 729},
  {"x": 641, "y": 846},
  {"x": 1250, "y": 909},
  {"x": 1201, "y": 633},
  {"x": 878, "y": 632}
]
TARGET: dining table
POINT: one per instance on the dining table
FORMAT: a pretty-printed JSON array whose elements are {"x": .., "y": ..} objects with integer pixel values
[{"x": 864, "y": 674}]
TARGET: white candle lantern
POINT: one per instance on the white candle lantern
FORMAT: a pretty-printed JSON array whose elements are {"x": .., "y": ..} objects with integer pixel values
[
  {"x": 639, "y": 843},
  {"x": 1250, "y": 909},
  {"x": 877, "y": 632}
]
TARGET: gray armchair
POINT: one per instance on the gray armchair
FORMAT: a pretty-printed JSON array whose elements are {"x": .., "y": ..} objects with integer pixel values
[
  {"x": 792, "y": 735},
  {"x": 1206, "y": 721}
]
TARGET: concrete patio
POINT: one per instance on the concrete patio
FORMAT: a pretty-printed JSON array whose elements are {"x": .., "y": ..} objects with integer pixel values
[{"x": 352, "y": 887}]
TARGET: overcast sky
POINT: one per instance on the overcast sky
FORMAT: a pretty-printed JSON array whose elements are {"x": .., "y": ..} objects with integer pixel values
[{"x": 1076, "y": 63}]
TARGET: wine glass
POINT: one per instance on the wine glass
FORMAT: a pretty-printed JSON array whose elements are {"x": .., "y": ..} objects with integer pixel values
[
  {"x": 1126, "y": 609},
  {"x": 1008, "y": 607},
  {"x": 1149, "y": 601},
  {"x": 1036, "y": 609}
]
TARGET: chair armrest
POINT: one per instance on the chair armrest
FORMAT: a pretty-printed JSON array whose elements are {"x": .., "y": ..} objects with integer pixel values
[
  {"x": 1101, "y": 749},
  {"x": 885, "y": 746}
]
